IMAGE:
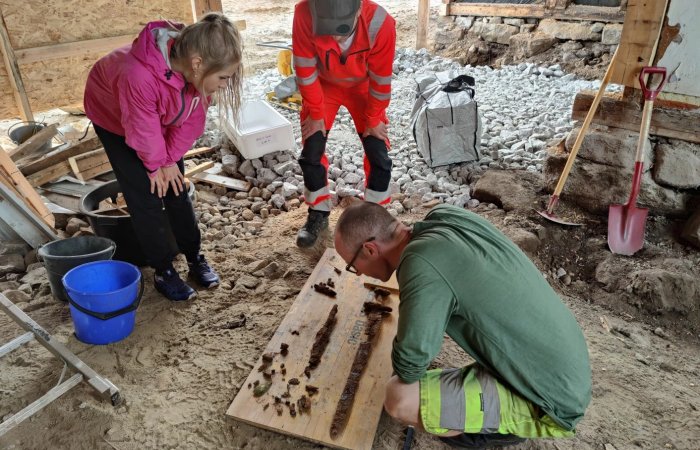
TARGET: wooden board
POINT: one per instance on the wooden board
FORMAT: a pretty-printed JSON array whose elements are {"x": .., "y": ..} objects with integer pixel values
[
  {"x": 537, "y": 11},
  {"x": 211, "y": 176},
  {"x": 199, "y": 168},
  {"x": 307, "y": 315},
  {"x": 49, "y": 174},
  {"x": 14, "y": 179},
  {"x": 34, "y": 142},
  {"x": 86, "y": 145},
  {"x": 89, "y": 165},
  {"x": 198, "y": 151},
  {"x": 626, "y": 113},
  {"x": 640, "y": 35},
  {"x": 14, "y": 75}
]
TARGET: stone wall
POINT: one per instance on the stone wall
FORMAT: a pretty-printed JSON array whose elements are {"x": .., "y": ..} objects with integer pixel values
[
  {"x": 579, "y": 42},
  {"x": 602, "y": 172}
]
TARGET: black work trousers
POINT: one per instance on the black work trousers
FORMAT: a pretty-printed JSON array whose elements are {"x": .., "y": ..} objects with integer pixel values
[{"x": 153, "y": 218}]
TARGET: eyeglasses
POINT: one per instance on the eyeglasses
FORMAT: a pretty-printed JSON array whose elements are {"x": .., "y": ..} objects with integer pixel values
[{"x": 350, "y": 267}]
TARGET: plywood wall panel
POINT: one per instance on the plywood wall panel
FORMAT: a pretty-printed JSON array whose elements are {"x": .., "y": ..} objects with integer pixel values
[
  {"x": 36, "y": 23},
  {"x": 39, "y": 23}
]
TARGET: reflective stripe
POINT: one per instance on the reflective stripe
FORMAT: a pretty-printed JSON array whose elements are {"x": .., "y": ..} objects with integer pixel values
[
  {"x": 376, "y": 24},
  {"x": 491, "y": 401},
  {"x": 380, "y": 198},
  {"x": 307, "y": 80},
  {"x": 343, "y": 80},
  {"x": 452, "y": 402},
  {"x": 319, "y": 200},
  {"x": 378, "y": 79},
  {"x": 301, "y": 61},
  {"x": 379, "y": 95}
]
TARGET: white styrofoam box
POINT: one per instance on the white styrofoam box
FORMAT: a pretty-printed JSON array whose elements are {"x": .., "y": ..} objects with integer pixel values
[{"x": 261, "y": 130}]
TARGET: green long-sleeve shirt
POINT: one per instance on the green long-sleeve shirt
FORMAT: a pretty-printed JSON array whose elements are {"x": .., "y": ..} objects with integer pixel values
[{"x": 461, "y": 276}]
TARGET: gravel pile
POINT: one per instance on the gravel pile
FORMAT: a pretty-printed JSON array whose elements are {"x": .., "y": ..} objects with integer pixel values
[{"x": 525, "y": 109}]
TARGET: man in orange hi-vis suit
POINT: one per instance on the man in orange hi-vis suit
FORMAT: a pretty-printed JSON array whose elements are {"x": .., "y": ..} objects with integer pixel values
[{"x": 343, "y": 56}]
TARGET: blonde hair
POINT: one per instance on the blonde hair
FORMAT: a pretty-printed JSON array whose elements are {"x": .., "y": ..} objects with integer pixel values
[{"x": 217, "y": 41}]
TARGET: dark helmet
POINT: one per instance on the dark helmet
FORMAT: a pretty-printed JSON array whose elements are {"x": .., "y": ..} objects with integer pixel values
[{"x": 334, "y": 17}]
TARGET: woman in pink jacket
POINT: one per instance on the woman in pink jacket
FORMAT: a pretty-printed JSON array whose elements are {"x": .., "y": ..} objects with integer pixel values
[{"x": 148, "y": 104}]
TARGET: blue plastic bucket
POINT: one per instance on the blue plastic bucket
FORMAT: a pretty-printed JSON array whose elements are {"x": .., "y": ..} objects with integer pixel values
[{"x": 103, "y": 297}]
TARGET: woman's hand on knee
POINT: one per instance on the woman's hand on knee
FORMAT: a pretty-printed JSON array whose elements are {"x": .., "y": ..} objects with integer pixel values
[
  {"x": 173, "y": 178},
  {"x": 158, "y": 184}
]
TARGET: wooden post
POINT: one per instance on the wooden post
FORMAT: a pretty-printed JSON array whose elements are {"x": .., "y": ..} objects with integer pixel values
[
  {"x": 423, "y": 20},
  {"x": 640, "y": 35},
  {"x": 13, "y": 73},
  {"x": 201, "y": 7}
]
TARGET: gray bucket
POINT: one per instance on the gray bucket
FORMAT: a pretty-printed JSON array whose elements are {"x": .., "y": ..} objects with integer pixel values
[
  {"x": 61, "y": 256},
  {"x": 22, "y": 131}
]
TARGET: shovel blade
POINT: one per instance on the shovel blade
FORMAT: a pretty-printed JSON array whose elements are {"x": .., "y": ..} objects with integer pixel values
[{"x": 626, "y": 225}]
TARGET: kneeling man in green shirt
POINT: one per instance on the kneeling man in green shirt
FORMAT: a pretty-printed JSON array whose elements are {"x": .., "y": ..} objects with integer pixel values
[{"x": 459, "y": 275}]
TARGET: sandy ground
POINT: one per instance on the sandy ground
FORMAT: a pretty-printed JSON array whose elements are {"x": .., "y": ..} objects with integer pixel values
[{"x": 181, "y": 368}]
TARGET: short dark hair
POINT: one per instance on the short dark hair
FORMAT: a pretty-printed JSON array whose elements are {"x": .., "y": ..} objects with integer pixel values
[{"x": 363, "y": 220}]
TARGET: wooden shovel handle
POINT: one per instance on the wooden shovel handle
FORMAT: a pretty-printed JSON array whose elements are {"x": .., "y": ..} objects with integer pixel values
[{"x": 586, "y": 123}]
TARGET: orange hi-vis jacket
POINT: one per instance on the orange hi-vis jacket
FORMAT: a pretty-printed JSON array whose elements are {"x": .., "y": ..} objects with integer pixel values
[{"x": 318, "y": 59}]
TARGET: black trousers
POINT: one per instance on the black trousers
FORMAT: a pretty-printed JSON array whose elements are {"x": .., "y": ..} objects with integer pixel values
[
  {"x": 315, "y": 167},
  {"x": 153, "y": 218}
]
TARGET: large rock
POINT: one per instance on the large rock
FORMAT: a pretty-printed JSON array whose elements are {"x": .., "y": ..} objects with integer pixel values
[
  {"x": 666, "y": 290},
  {"x": 611, "y": 146},
  {"x": 447, "y": 37},
  {"x": 572, "y": 31},
  {"x": 526, "y": 240},
  {"x": 11, "y": 263},
  {"x": 512, "y": 190},
  {"x": 611, "y": 34},
  {"x": 678, "y": 165},
  {"x": 525, "y": 45},
  {"x": 595, "y": 187},
  {"x": 494, "y": 32}
]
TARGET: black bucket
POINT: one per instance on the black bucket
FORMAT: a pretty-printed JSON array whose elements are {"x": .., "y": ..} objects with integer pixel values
[
  {"x": 21, "y": 131},
  {"x": 59, "y": 257},
  {"x": 118, "y": 228}
]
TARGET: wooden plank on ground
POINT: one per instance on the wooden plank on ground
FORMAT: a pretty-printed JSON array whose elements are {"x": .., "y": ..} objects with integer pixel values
[
  {"x": 33, "y": 143},
  {"x": 640, "y": 34},
  {"x": 615, "y": 111},
  {"x": 306, "y": 316},
  {"x": 211, "y": 176},
  {"x": 10, "y": 60},
  {"x": 84, "y": 146},
  {"x": 89, "y": 165},
  {"x": 199, "y": 168},
  {"x": 26, "y": 191},
  {"x": 51, "y": 173},
  {"x": 198, "y": 151}
]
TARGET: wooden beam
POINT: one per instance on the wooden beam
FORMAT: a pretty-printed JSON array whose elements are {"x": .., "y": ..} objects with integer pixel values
[
  {"x": 615, "y": 111},
  {"x": 47, "y": 161},
  {"x": 199, "y": 168},
  {"x": 201, "y": 7},
  {"x": 220, "y": 180},
  {"x": 14, "y": 74},
  {"x": 89, "y": 165},
  {"x": 49, "y": 174},
  {"x": 70, "y": 49},
  {"x": 199, "y": 151},
  {"x": 493, "y": 9},
  {"x": 16, "y": 181},
  {"x": 33, "y": 143},
  {"x": 640, "y": 34},
  {"x": 423, "y": 21},
  {"x": 555, "y": 9}
]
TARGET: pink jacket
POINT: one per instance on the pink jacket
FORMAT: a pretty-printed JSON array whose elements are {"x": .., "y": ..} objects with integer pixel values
[{"x": 133, "y": 93}]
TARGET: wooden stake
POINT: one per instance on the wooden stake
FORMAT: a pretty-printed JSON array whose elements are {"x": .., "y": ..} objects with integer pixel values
[
  {"x": 14, "y": 74},
  {"x": 423, "y": 21}
]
